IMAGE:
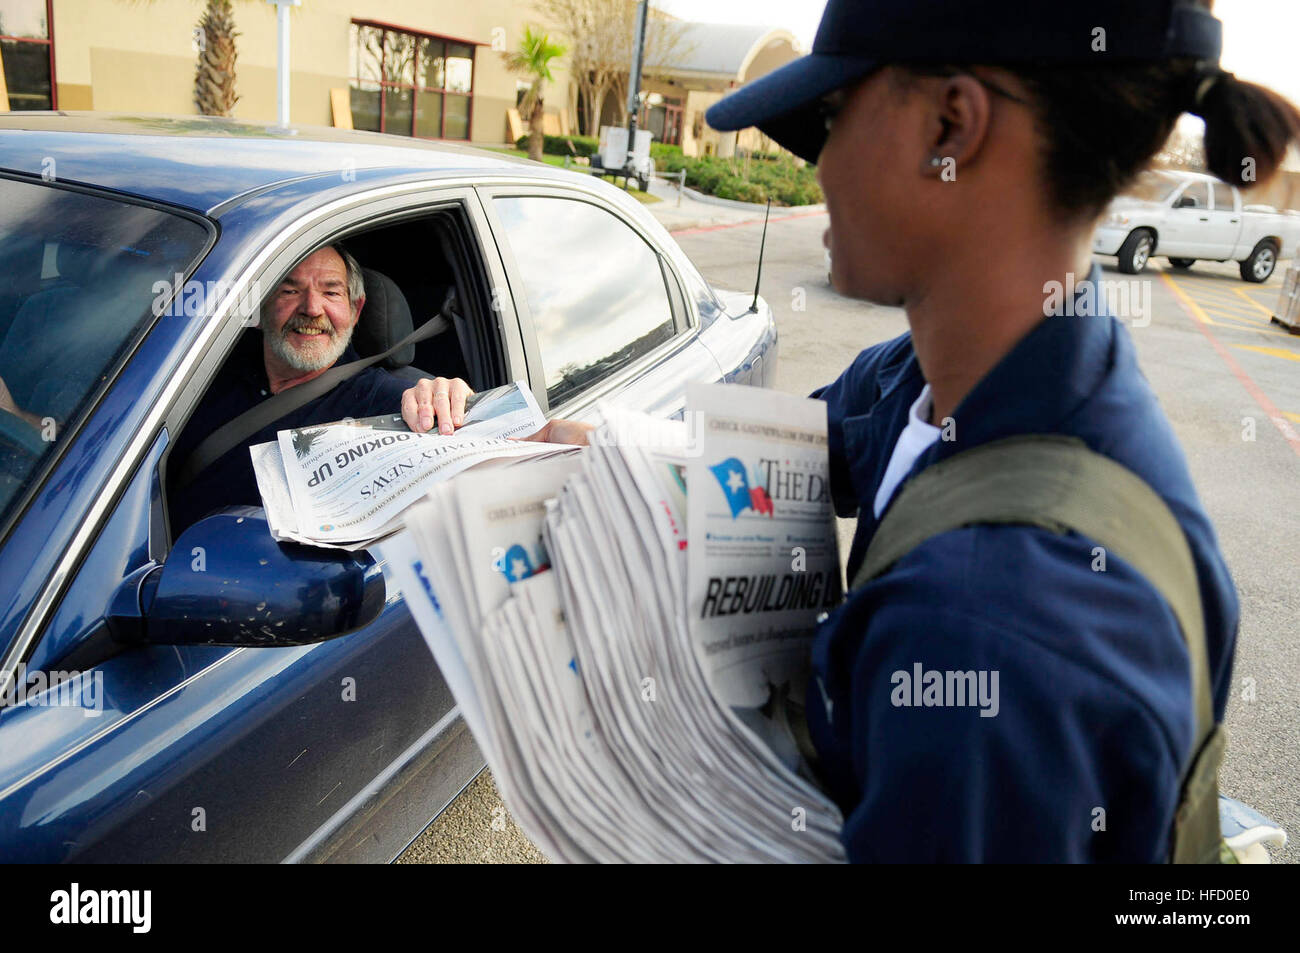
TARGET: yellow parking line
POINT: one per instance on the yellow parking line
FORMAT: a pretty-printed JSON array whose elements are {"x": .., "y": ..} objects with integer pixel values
[
  {"x": 1252, "y": 302},
  {"x": 1254, "y": 329},
  {"x": 1288, "y": 416},
  {"x": 1201, "y": 287},
  {"x": 1234, "y": 313},
  {"x": 1200, "y": 314},
  {"x": 1186, "y": 299},
  {"x": 1270, "y": 351}
]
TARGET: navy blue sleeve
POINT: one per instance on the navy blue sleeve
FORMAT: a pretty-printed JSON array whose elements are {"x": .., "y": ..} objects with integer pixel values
[{"x": 1071, "y": 752}]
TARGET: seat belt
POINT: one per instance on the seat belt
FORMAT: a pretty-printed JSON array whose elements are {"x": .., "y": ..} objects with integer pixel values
[
  {"x": 1057, "y": 483},
  {"x": 230, "y": 435}
]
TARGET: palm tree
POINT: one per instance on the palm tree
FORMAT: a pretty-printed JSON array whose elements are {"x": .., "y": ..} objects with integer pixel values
[
  {"x": 214, "y": 79},
  {"x": 533, "y": 59}
]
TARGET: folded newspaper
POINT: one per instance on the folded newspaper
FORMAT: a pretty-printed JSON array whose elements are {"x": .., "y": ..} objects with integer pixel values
[
  {"x": 345, "y": 484},
  {"x": 627, "y": 631}
]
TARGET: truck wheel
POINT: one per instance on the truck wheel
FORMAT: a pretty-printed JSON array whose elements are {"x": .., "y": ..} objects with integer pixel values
[
  {"x": 1136, "y": 251},
  {"x": 1259, "y": 266},
  {"x": 1182, "y": 262}
]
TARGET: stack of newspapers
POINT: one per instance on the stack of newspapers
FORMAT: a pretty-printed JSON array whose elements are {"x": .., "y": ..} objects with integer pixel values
[
  {"x": 627, "y": 630},
  {"x": 345, "y": 484}
]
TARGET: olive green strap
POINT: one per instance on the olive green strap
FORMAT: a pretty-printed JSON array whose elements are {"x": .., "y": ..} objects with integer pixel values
[{"x": 1057, "y": 483}]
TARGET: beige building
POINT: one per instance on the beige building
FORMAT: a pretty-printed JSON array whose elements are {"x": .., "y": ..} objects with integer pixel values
[
  {"x": 424, "y": 67},
  {"x": 429, "y": 68},
  {"x": 712, "y": 59}
]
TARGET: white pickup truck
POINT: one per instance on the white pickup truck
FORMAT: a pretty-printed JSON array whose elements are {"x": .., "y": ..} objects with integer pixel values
[{"x": 1186, "y": 216}]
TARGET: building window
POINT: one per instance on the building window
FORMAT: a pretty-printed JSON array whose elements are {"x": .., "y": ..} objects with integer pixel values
[
  {"x": 27, "y": 47},
  {"x": 411, "y": 84}
]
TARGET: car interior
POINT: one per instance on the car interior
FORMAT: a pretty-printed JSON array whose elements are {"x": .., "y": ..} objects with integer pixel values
[{"x": 419, "y": 270}]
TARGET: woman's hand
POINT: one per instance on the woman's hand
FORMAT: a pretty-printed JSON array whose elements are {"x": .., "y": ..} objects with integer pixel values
[{"x": 564, "y": 431}]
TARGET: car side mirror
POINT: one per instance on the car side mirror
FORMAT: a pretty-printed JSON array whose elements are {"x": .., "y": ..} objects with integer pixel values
[
  {"x": 228, "y": 582},
  {"x": 1186, "y": 202}
]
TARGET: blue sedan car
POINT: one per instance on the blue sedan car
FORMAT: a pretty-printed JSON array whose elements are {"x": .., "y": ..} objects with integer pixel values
[{"x": 203, "y": 693}]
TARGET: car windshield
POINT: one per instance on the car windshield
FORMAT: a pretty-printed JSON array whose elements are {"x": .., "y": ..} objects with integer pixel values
[
  {"x": 81, "y": 275},
  {"x": 1151, "y": 187}
]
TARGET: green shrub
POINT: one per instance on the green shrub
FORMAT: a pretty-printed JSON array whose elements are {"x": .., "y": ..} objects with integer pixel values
[
  {"x": 664, "y": 151},
  {"x": 762, "y": 177},
  {"x": 738, "y": 190},
  {"x": 559, "y": 145}
]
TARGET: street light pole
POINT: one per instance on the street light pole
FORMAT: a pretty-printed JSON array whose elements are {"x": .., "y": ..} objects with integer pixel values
[
  {"x": 634, "y": 83},
  {"x": 282, "y": 58}
]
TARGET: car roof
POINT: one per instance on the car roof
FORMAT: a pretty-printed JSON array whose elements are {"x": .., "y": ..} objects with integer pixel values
[
  {"x": 201, "y": 162},
  {"x": 1186, "y": 175}
]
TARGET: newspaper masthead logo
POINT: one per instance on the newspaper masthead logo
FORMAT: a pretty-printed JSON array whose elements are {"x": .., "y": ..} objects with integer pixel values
[
  {"x": 734, "y": 480},
  {"x": 758, "y": 488}
]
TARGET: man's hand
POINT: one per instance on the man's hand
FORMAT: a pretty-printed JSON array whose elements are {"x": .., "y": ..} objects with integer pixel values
[
  {"x": 441, "y": 399},
  {"x": 563, "y": 431}
]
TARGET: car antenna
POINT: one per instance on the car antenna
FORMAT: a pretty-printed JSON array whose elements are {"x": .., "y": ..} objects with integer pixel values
[{"x": 762, "y": 244}]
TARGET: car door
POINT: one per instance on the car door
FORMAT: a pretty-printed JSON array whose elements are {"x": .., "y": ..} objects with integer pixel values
[
  {"x": 1224, "y": 223},
  {"x": 341, "y": 749},
  {"x": 1184, "y": 232},
  {"x": 602, "y": 307}
]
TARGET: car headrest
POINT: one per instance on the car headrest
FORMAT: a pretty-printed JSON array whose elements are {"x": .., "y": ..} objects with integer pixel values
[{"x": 385, "y": 320}]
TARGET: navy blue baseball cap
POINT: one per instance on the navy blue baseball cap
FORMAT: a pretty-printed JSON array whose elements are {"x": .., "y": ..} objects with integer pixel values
[{"x": 857, "y": 37}]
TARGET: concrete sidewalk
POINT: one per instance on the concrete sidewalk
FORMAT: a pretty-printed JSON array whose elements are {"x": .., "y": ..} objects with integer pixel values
[{"x": 691, "y": 210}]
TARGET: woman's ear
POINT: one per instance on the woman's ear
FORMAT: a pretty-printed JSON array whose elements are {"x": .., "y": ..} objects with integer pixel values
[{"x": 958, "y": 126}]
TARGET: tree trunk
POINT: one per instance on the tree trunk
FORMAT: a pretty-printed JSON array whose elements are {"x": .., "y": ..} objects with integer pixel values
[
  {"x": 214, "y": 79},
  {"x": 536, "y": 135},
  {"x": 596, "y": 106},
  {"x": 619, "y": 88}
]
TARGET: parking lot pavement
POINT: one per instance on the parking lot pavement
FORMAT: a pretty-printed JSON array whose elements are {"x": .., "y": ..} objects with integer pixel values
[{"x": 475, "y": 829}]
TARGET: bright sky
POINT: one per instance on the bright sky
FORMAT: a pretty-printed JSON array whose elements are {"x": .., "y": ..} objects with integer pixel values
[
  {"x": 799, "y": 17},
  {"x": 1261, "y": 38}
]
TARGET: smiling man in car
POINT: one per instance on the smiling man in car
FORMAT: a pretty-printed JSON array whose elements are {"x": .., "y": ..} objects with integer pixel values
[{"x": 306, "y": 329}]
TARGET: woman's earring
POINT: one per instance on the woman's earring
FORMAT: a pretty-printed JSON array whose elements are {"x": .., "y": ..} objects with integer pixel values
[{"x": 935, "y": 161}]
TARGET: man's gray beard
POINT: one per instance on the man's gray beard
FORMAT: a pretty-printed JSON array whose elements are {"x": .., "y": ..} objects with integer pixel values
[{"x": 282, "y": 349}]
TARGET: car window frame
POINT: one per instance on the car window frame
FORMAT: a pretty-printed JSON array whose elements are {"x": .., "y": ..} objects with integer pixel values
[
  {"x": 685, "y": 318},
  {"x": 356, "y": 217},
  {"x": 1222, "y": 188},
  {"x": 108, "y": 378},
  {"x": 1186, "y": 190}
]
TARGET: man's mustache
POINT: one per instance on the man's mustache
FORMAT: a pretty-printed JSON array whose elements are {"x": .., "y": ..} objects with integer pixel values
[{"x": 295, "y": 323}]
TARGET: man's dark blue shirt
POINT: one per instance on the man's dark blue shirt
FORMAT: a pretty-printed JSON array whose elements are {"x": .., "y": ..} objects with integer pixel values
[
  {"x": 1083, "y": 759},
  {"x": 241, "y": 384}
]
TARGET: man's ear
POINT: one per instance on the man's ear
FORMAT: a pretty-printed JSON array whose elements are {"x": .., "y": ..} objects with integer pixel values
[
  {"x": 356, "y": 312},
  {"x": 958, "y": 128}
]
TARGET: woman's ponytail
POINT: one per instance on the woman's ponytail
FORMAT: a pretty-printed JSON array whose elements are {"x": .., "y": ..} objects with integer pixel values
[{"x": 1248, "y": 128}]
